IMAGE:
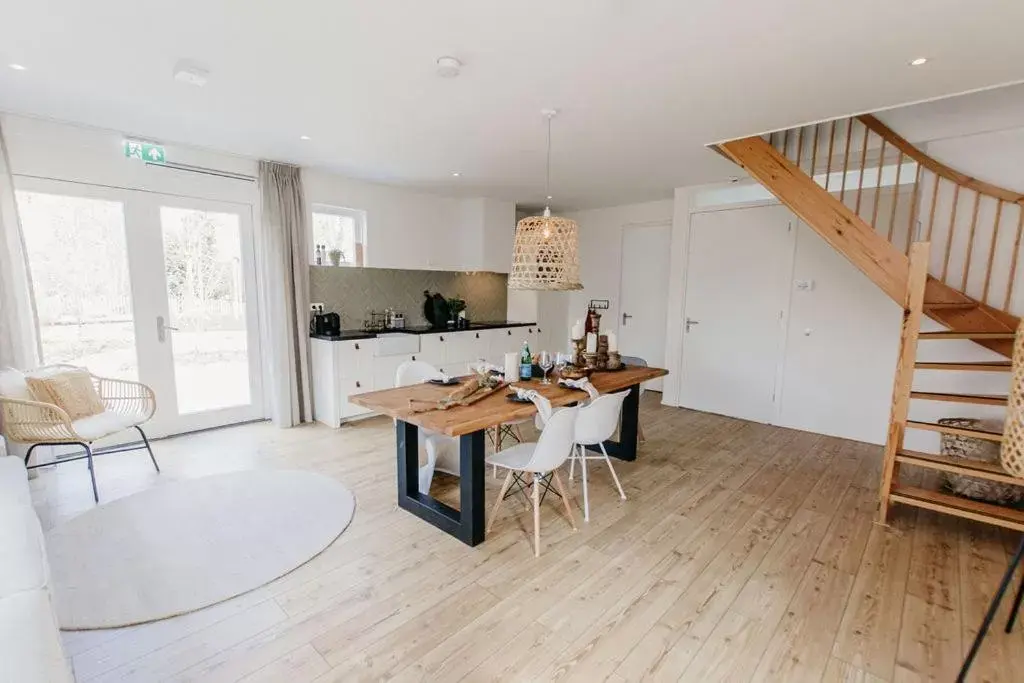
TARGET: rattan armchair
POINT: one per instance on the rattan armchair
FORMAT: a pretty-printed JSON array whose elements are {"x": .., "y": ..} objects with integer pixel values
[{"x": 127, "y": 405}]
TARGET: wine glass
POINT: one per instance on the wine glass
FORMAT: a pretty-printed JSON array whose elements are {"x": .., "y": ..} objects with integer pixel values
[
  {"x": 561, "y": 362},
  {"x": 545, "y": 362}
]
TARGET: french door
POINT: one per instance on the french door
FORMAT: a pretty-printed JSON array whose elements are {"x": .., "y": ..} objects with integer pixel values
[{"x": 150, "y": 287}]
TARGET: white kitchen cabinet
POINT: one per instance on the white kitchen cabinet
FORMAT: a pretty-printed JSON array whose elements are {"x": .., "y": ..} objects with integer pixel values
[{"x": 340, "y": 369}]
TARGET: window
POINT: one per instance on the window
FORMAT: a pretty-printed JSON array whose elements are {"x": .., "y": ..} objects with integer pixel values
[
  {"x": 340, "y": 235},
  {"x": 79, "y": 260}
]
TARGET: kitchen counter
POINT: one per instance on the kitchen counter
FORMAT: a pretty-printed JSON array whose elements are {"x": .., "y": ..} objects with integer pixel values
[{"x": 349, "y": 335}]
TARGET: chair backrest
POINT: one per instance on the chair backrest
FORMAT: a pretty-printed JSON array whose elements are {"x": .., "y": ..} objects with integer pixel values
[
  {"x": 415, "y": 372},
  {"x": 635, "y": 360},
  {"x": 555, "y": 441},
  {"x": 599, "y": 418}
]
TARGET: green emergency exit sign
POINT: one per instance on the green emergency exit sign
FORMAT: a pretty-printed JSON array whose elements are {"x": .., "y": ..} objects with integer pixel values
[{"x": 144, "y": 151}]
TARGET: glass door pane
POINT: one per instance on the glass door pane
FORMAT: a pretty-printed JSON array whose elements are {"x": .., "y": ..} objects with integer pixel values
[
  {"x": 206, "y": 298},
  {"x": 79, "y": 261}
]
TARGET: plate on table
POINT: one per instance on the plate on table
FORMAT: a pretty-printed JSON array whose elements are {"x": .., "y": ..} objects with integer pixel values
[
  {"x": 444, "y": 382},
  {"x": 515, "y": 399}
]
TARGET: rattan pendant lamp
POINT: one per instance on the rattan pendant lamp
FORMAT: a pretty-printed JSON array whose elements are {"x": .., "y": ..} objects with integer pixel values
[{"x": 545, "y": 255}]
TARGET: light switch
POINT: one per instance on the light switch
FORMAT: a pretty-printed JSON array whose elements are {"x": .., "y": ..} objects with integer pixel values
[{"x": 805, "y": 285}]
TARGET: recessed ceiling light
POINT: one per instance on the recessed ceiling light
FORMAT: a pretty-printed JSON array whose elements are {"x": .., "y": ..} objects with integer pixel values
[
  {"x": 550, "y": 197},
  {"x": 18, "y": 67},
  {"x": 448, "y": 67},
  {"x": 455, "y": 174},
  {"x": 305, "y": 137},
  {"x": 919, "y": 61}
]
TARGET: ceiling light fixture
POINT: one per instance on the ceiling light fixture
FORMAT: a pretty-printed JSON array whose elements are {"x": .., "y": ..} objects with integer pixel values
[
  {"x": 448, "y": 67},
  {"x": 918, "y": 61},
  {"x": 191, "y": 73},
  {"x": 455, "y": 174},
  {"x": 18, "y": 67},
  {"x": 305, "y": 137},
  {"x": 545, "y": 255}
]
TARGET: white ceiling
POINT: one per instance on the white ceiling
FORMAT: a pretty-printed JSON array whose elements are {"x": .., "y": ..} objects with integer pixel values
[{"x": 642, "y": 84}]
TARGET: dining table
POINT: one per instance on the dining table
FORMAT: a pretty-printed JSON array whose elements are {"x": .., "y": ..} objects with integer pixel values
[{"x": 469, "y": 424}]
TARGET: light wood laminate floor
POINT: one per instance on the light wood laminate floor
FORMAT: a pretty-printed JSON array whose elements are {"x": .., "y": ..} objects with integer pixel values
[{"x": 745, "y": 552}]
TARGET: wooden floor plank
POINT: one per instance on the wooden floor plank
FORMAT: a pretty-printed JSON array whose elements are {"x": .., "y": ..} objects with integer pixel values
[{"x": 867, "y": 635}]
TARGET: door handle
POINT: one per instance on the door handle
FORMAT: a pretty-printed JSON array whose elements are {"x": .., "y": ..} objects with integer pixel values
[
  {"x": 690, "y": 323},
  {"x": 162, "y": 327},
  {"x": 625, "y": 317}
]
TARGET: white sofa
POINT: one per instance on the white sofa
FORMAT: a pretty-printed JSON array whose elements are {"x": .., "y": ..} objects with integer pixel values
[{"x": 30, "y": 645}]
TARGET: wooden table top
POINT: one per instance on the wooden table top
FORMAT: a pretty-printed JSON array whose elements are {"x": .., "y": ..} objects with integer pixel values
[{"x": 495, "y": 409}]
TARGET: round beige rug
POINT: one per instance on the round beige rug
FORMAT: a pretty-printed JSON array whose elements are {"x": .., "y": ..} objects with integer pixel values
[{"x": 188, "y": 544}]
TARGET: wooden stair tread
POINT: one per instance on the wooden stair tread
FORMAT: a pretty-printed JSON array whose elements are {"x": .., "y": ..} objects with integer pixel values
[
  {"x": 948, "y": 305},
  {"x": 992, "y": 471},
  {"x": 961, "y": 431},
  {"x": 961, "y": 507},
  {"x": 984, "y": 366},
  {"x": 965, "y": 335},
  {"x": 979, "y": 399}
]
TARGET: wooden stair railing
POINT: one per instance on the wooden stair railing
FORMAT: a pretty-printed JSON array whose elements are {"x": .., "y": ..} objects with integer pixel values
[
  {"x": 870, "y": 193},
  {"x": 882, "y": 202}
]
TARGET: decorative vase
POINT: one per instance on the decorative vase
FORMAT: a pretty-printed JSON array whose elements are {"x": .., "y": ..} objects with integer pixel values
[{"x": 335, "y": 255}]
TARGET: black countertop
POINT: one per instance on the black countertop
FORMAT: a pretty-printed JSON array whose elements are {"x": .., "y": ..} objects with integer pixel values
[{"x": 350, "y": 335}]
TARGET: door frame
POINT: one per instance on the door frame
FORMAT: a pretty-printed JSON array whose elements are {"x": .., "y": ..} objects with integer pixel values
[
  {"x": 144, "y": 212},
  {"x": 624, "y": 230},
  {"x": 681, "y": 251}
]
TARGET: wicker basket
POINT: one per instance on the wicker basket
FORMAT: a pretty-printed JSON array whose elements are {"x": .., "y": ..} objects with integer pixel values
[
  {"x": 956, "y": 446},
  {"x": 1012, "y": 455}
]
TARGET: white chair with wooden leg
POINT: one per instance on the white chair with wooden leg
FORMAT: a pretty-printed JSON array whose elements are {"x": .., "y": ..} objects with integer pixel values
[
  {"x": 438, "y": 447},
  {"x": 538, "y": 460},
  {"x": 595, "y": 424}
]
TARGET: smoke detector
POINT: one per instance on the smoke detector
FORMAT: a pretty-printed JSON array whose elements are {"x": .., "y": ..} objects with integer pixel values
[
  {"x": 448, "y": 67},
  {"x": 193, "y": 74}
]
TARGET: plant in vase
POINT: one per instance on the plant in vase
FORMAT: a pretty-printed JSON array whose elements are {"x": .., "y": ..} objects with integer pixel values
[{"x": 337, "y": 256}]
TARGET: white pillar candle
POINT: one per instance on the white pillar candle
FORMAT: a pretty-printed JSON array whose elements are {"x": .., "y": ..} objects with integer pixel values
[
  {"x": 577, "y": 330},
  {"x": 511, "y": 366},
  {"x": 591, "y": 343},
  {"x": 613, "y": 342}
]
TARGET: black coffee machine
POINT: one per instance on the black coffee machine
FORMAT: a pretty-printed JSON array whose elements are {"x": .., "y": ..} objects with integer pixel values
[{"x": 325, "y": 324}]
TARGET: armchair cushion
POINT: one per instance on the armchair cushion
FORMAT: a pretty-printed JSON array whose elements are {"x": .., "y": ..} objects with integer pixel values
[
  {"x": 106, "y": 423},
  {"x": 72, "y": 390},
  {"x": 13, "y": 385}
]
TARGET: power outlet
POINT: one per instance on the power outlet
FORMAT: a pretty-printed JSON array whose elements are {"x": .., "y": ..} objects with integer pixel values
[{"x": 316, "y": 308}]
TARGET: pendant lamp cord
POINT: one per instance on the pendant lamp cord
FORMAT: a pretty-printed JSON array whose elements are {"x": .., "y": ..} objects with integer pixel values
[{"x": 547, "y": 179}]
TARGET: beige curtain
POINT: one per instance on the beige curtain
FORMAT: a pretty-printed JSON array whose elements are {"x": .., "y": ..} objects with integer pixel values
[
  {"x": 19, "y": 342},
  {"x": 284, "y": 267}
]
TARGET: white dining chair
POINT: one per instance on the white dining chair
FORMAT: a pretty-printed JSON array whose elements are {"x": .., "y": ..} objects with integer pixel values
[
  {"x": 596, "y": 423},
  {"x": 437, "y": 446},
  {"x": 538, "y": 460}
]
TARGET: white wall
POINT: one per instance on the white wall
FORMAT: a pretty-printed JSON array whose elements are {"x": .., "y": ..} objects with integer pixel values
[{"x": 405, "y": 229}]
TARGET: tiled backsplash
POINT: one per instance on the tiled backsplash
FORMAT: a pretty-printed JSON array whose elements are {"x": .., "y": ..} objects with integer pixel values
[{"x": 353, "y": 292}]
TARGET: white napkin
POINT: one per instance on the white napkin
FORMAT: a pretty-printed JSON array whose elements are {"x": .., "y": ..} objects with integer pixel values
[
  {"x": 543, "y": 405},
  {"x": 581, "y": 383},
  {"x": 484, "y": 366}
]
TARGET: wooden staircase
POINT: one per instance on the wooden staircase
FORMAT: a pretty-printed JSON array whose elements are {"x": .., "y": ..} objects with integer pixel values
[{"x": 882, "y": 203}]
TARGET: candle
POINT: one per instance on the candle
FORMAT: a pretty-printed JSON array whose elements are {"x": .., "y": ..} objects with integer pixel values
[
  {"x": 591, "y": 343},
  {"x": 577, "y": 330},
  {"x": 613, "y": 342}
]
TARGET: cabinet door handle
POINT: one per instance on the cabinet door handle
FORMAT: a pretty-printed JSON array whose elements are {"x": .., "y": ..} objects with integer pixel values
[
  {"x": 414, "y": 357},
  {"x": 442, "y": 338},
  {"x": 530, "y": 331},
  {"x": 357, "y": 346},
  {"x": 358, "y": 385},
  {"x": 509, "y": 333},
  {"x": 477, "y": 335}
]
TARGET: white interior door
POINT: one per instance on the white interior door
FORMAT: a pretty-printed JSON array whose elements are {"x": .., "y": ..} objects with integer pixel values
[
  {"x": 643, "y": 293},
  {"x": 737, "y": 285}
]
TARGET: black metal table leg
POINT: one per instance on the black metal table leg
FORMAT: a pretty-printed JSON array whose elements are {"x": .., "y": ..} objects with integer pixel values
[
  {"x": 991, "y": 614},
  {"x": 465, "y": 524},
  {"x": 625, "y": 447}
]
